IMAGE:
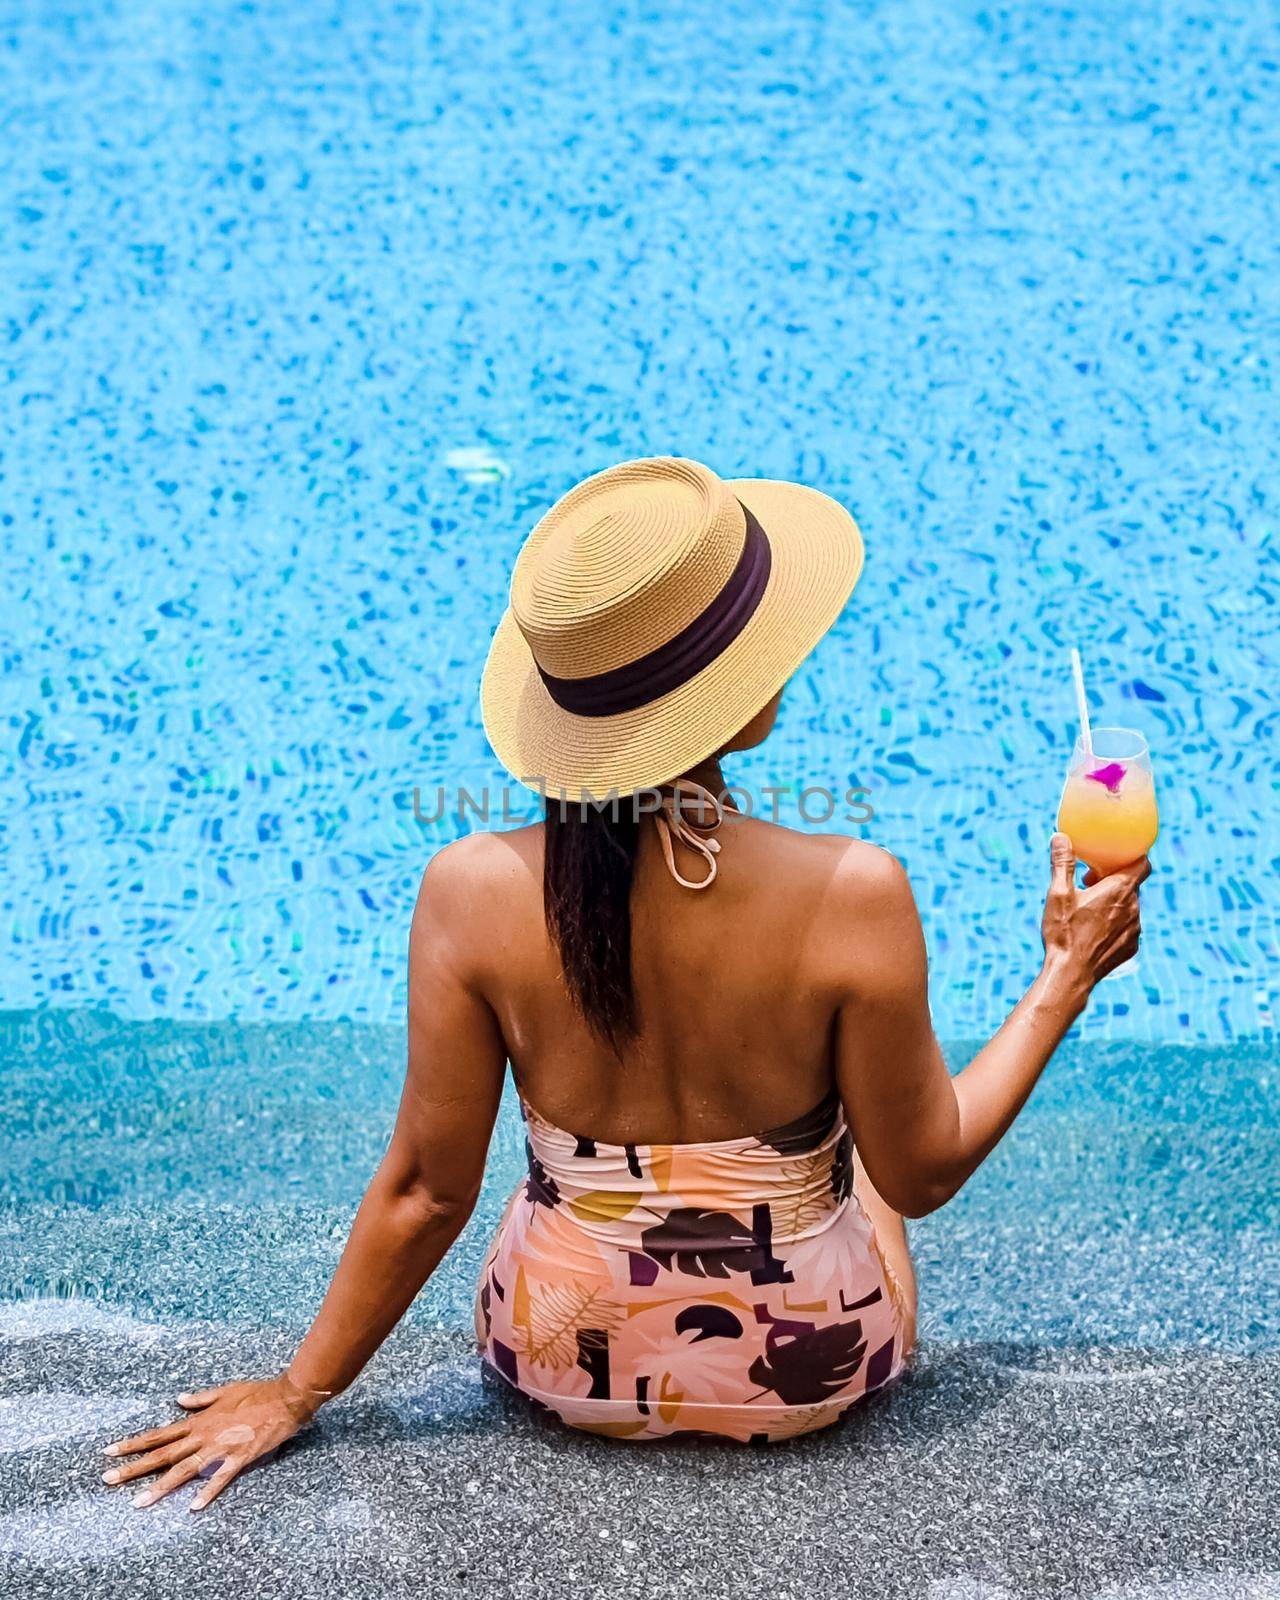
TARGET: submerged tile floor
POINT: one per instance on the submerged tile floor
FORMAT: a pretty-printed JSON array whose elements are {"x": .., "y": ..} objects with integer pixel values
[
  {"x": 1032, "y": 1474},
  {"x": 1094, "y": 1414}
]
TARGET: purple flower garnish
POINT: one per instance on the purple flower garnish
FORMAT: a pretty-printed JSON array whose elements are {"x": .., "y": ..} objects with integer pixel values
[{"x": 1111, "y": 775}]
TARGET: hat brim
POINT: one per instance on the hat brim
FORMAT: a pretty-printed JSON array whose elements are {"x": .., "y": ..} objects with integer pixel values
[{"x": 817, "y": 560}]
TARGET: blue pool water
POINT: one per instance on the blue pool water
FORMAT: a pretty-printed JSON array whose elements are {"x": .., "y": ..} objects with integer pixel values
[{"x": 308, "y": 316}]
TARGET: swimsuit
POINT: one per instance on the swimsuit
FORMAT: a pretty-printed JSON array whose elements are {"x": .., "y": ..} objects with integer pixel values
[
  {"x": 733, "y": 1287},
  {"x": 730, "y": 1288}
]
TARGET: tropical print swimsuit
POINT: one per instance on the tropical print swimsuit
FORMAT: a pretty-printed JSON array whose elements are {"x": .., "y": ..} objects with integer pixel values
[{"x": 731, "y": 1288}]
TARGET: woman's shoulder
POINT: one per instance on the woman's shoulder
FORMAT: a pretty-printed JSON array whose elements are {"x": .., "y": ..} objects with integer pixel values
[
  {"x": 847, "y": 866},
  {"x": 469, "y": 888},
  {"x": 484, "y": 860},
  {"x": 851, "y": 904}
]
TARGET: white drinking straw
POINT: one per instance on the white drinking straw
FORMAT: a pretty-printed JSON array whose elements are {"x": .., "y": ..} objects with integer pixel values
[{"x": 1077, "y": 672}]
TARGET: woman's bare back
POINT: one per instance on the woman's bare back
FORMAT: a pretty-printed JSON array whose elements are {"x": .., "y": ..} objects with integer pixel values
[{"x": 736, "y": 1002}]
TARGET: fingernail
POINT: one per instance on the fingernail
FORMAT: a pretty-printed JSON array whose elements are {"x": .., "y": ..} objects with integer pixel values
[
  {"x": 196, "y": 1505},
  {"x": 142, "y": 1499},
  {"x": 111, "y": 1477},
  {"x": 111, "y": 1450}
]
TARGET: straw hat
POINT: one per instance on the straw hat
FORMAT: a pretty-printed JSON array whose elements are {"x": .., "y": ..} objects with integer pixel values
[{"x": 654, "y": 610}]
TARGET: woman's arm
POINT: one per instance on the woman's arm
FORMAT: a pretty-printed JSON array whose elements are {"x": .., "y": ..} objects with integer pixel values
[
  {"x": 424, "y": 1191},
  {"x": 413, "y": 1210},
  {"x": 921, "y": 1133}
]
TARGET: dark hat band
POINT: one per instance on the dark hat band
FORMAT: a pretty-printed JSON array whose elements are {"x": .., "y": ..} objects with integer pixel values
[{"x": 635, "y": 684}]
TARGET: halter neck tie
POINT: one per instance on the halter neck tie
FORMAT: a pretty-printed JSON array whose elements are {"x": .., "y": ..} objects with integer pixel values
[{"x": 683, "y": 815}]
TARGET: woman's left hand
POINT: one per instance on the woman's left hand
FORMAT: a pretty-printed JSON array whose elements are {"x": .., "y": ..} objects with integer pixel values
[{"x": 227, "y": 1430}]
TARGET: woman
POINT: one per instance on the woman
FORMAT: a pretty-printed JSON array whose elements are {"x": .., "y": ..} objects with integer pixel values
[{"x": 698, "y": 1006}]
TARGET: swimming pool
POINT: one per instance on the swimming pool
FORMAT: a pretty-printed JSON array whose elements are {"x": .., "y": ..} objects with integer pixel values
[
  {"x": 308, "y": 313},
  {"x": 305, "y": 329}
]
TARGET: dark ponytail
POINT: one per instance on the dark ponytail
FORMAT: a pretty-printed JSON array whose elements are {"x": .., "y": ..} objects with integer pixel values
[{"x": 586, "y": 894}]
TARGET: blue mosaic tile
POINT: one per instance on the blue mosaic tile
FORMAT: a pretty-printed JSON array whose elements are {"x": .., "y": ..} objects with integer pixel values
[{"x": 308, "y": 316}]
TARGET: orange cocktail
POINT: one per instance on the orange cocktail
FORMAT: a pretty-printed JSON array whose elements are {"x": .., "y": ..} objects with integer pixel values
[{"x": 1108, "y": 808}]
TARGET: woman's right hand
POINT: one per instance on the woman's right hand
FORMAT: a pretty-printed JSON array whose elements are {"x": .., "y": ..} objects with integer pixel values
[
  {"x": 1091, "y": 930},
  {"x": 226, "y": 1431}
]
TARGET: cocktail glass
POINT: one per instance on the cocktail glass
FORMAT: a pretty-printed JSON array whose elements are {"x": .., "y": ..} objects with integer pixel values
[{"x": 1108, "y": 807}]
